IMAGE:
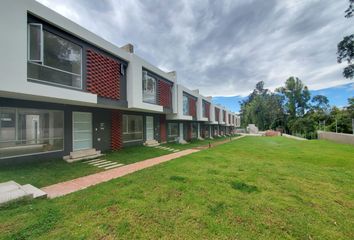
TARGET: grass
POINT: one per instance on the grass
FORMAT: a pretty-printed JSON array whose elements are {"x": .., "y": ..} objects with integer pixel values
[
  {"x": 196, "y": 143},
  {"x": 44, "y": 173},
  {"x": 252, "y": 188}
]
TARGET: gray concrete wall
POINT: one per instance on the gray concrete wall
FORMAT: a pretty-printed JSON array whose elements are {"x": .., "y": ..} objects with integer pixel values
[
  {"x": 337, "y": 137},
  {"x": 293, "y": 137}
]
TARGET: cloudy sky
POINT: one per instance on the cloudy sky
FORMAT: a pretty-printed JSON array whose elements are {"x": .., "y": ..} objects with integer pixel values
[{"x": 224, "y": 47}]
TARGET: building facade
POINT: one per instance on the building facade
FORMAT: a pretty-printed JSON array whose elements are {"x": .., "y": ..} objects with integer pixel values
[{"x": 64, "y": 89}]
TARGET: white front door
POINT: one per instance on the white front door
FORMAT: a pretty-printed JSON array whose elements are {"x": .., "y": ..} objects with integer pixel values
[
  {"x": 149, "y": 128},
  {"x": 82, "y": 130}
]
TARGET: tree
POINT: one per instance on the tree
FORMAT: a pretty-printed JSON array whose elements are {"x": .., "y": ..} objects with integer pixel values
[
  {"x": 321, "y": 103},
  {"x": 341, "y": 121},
  {"x": 263, "y": 108},
  {"x": 350, "y": 106},
  {"x": 349, "y": 12},
  {"x": 345, "y": 48},
  {"x": 303, "y": 126},
  {"x": 297, "y": 96}
]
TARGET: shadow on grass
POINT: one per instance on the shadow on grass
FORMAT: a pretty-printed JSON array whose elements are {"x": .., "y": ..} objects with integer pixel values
[{"x": 244, "y": 187}]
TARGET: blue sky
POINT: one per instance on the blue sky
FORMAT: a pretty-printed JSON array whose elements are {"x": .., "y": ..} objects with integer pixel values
[{"x": 337, "y": 96}]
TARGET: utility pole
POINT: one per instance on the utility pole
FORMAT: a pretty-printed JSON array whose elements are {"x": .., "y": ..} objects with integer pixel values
[{"x": 336, "y": 126}]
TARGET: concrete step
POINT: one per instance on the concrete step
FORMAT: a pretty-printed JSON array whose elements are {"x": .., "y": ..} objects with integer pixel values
[
  {"x": 151, "y": 143},
  {"x": 71, "y": 160},
  {"x": 113, "y": 166},
  {"x": 8, "y": 186},
  {"x": 36, "y": 192},
  {"x": 96, "y": 162},
  {"x": 11, "y": 191},
  {"x": 107, "y": 164},
  {"x": 84, "y": 153},
  {"x": 13, "y": 195}
]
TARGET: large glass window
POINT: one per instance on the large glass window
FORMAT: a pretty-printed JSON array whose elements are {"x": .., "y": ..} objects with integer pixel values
[
  {"x": 149, "y": 88},
  {"x": 132, "y": 128},
  {"x": 29, "y": 131},
  {"x": 172, "y": 132},
  {"x": 185, "y": 105},
  {"x": 53, "y": 59}
]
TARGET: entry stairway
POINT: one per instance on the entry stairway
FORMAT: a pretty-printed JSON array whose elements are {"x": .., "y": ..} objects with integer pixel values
[
  {"x": 12, "y": 191},
  {"x": 82, "y": 155},
  {"x": 151, "y": 143}
]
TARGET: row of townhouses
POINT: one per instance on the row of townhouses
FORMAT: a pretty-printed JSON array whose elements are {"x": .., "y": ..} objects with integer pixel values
[{"x": 64, "y": 89}]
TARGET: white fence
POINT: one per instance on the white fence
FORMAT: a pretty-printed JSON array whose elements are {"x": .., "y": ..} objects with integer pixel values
[{"x": 337, "y": 137}]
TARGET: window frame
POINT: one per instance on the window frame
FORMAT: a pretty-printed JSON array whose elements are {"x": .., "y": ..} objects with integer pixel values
[
  {"x": 41, "y": 62},
  {"x": 17, "y": 113},
  {"x": 29, "y": 42},
  {"x": 172, "y": 137},
  {"x": 146, "y": 77},
  {"x": 186, "y": 111},
  {"x": 126, "y": 131}
]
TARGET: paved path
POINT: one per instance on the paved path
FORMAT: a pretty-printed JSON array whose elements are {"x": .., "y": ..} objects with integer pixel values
[{"x": 61, "y": 189}]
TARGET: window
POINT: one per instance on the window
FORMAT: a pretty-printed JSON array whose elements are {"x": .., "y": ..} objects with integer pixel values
[
  {"x": 35, "y": 42},
  {"x": 53, "y": 59},
  {"x": 132, "y": 128},
  {"x": 185, "y": 105},
  {"x": 30, "y": 131},
  {"x": 149, "y": 88},
  {"x": 172, "y": 134}
]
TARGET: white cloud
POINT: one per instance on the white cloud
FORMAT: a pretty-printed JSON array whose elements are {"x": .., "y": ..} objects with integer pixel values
[{"x": 224, "y": 47}]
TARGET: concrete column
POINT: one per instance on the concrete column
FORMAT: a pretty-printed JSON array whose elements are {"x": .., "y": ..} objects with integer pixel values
[
  {"x": 181, "y": 138},
  {"x": 199, "y": 137},
  {"x": 210, "y": 133}
]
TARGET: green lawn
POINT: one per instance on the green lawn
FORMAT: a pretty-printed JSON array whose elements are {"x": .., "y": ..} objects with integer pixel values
[
  {"x": 252, "y": 188},
  {"x": 52, "y": 171},
  {"x": 196, "y": 143}
]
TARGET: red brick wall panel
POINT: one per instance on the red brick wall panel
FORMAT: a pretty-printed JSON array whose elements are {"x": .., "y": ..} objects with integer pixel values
[
  {"x": 165, "y": 94},
  {"x": 103, "y": 75},
  {"x": 207, "y": 110},
  {"x": 217, "y": 114},
  {"x": 116, "y": 130},
  {"x": 163, "y": 128},
  {"x": 192, "y": 107}
]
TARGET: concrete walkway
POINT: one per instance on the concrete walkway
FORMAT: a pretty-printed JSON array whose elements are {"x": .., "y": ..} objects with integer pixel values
[{"x": 64, "y": 188}]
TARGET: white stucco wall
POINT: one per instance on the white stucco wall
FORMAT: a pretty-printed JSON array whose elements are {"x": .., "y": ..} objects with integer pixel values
[
  {"x": 134, "y": 84},
  {"x": 13, "y": 42},
  {"x": 179, "y": 114}
]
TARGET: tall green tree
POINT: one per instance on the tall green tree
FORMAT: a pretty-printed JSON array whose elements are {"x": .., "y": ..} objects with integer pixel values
[
  {"x": 345, "y": 48},
  {"x": 320, "y": 103},
  {"x": 297, "y": 97},
  {"x": 263, "y": 108}
]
